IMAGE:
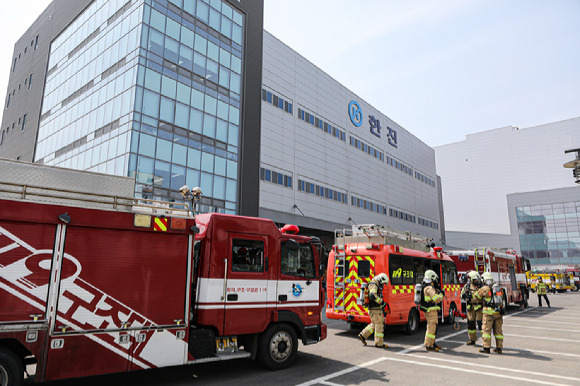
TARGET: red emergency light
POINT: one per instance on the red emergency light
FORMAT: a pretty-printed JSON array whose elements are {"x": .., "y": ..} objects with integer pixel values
[{"x": 290, "y": 229}]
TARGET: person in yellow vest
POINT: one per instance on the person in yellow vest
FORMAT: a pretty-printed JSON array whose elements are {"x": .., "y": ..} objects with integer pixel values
[
  {"x": 431, "y": 296},
  {"x": 542, "y": 290},
  {"x": 376, "y": 311},
  {"x": 474, "y": 306},
  {"x": 492, "y": 315}
]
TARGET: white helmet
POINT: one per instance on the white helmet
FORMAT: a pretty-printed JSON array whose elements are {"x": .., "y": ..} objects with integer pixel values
[
  {"x": 430, "y": 276},
  {"x": 487, "y": 278},
  {"x": 382, "y": 279},
  {"x": 474, "y": 276}
]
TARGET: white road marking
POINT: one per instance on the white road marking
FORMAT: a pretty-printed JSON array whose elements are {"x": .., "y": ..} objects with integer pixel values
[
  {"x": 324, "y": 379},
  {"x": 524, "y": 351},
  {"x": 539, "y": 337},
  {"x": 567, "y": 330},
  {"x": 470, "y": 364}
]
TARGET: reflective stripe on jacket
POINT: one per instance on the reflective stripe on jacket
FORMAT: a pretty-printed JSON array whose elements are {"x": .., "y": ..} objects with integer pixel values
[{"x": 542, "y": 288}]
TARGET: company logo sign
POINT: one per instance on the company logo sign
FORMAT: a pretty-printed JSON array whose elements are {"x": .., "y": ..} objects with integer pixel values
[
  {"x": 296, "y": 290},
  {"x": 356, "y": 117},
  {"x": 355, "y": 113}
]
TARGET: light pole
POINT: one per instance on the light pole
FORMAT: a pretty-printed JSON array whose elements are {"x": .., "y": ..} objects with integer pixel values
[{"x": 574, "y": 165}]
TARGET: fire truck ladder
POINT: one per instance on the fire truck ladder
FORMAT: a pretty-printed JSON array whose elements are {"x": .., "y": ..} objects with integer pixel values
[
  {"x": 340, "y": 269},
  {"x": 480, "y": 260}
]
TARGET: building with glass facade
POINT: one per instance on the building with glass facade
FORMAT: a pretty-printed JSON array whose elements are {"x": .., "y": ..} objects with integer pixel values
[
  {"x": 508, "y": 188},
  {"x": 548, "y": 225},
  {"x": 158, "y": 90}
]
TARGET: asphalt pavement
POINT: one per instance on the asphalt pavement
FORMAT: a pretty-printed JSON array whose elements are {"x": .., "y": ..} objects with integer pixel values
[{"x": 541, "y": 346}]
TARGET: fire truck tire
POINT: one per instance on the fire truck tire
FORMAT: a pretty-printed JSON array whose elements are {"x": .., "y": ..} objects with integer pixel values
[
  {"x": 526, "y": 304},
  {"x": 278, "y": 347},
  {"x": 11, "y": 369},
  {"x": 412, "y": 325}
]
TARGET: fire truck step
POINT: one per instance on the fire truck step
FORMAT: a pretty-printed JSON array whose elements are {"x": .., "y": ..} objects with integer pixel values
[{"x": 223, "y": 357}]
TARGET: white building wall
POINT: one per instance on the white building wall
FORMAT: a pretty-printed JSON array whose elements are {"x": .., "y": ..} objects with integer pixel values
[
  {"x": 297, "y": 148},
  {"x": 477, "y": 174}
]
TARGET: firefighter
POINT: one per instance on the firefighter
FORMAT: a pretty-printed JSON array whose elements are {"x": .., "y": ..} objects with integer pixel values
[
  {"x": 492, "y": 314},
  {"x": 376, "y": 311},
  {"x": 542, "y": 289},
  {"x": 474, "y": 306},
  {"x": 431, "y": 296}
]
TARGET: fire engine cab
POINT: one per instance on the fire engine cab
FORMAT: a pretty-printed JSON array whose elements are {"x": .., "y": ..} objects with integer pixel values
[
  {"x": 360, "y": 254},
  {"x": 94, "y": 284},
  {"x": 507, "y": 268}
]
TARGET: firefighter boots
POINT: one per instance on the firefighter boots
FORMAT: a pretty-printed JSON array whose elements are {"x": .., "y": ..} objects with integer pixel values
[
  {"x": 497, "y": 350},
  {"x": 470, "y": 343},
  {"x": 434, "y": 348},
  {"x": 362, "y": 339},
  {"x": 484, "y": 350},
  {"x": 382, "y": 346}
]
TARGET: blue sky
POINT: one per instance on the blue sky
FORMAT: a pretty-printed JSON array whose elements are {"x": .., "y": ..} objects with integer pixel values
[
  {"x": 444, "y": 69},
  {"x": 439, "y": 68}
]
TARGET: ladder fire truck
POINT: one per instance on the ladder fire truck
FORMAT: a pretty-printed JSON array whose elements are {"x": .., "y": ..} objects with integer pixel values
[
  {"x": 93, "y": 283},
  {"x": 507, "y": 268},
  {"x": 367, "y": 250}
]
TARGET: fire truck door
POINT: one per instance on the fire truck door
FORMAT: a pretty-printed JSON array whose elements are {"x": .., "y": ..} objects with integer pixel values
[
  {"x": 246, "y": 283},
  {"x": 513, "y": 280},
  {"x": 360, "y": 271}
]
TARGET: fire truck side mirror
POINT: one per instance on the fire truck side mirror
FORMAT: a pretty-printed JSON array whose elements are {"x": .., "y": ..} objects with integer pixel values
[{"x": 194, "y": 229}]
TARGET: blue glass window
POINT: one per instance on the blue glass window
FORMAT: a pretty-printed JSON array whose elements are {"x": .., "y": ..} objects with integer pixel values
[
  {"x": 145, "y": 171},
  {"x": 167, "y": 110},
  {"x": 192, "y": 178},
  {"x": 179, "y": 155},
  {"x": 147, "y": 145},
  {"x": 181, "y": 115},
  {"x": 164, "y": 150},
  {"x": 162, "y": 174},
  {"x": 209, "y": 125},
  {"x": 157, "y": 20},
  {"x": 151, "y": 103},
  {"x": 206, "y": 184},
  {"x": 196, "y": 121},
  {"x": 194, "y": 159}
]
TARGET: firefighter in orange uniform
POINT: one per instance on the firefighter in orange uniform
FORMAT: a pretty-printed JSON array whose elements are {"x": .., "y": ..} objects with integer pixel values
[
  {"x": 431, "y": 296},
  {"x": 376, "y": 311},
  {"x": 474, "y": 306},
  {"x": 492, "y": 314}
]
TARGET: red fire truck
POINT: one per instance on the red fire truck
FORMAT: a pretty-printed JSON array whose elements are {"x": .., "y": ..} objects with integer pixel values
[
  {"x": 87, "y": 291},
  {"x": 506, "y": 267},
  {"x": 371, "y": 249}
]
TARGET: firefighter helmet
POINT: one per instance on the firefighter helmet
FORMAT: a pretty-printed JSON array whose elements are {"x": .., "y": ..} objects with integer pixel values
[
  {"x": 430, "y": 276},
  {"x": 474, "y": 277},
  {"x": 382, "y": 279},
  {"x": 487, "y": 278}
]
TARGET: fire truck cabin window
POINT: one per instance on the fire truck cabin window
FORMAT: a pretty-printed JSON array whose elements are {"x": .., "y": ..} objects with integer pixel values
[
  {"x": 364, "y": 268},
  {"x": 247, "y": 255},
  {"x": 420, "y": 268},
  {"x": 449, "y": 273},
  {"x": 297, "y": 259},
  {"x": 401, "y": 270}
]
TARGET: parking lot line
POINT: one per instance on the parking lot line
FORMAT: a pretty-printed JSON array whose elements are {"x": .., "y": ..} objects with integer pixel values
[
  {"x": 539, "y": 337},
  {"x": 535, "y": 351},
  {"x": 324, "y": 380},
  {"x": 567, "y": 330},
  {"x": 471, "y": 364}
]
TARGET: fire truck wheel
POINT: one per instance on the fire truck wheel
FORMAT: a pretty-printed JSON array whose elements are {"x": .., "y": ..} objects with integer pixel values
[
  {"x": 525, "y": 301},
  {"x": 11, "y": 369},
  {"x": 278, "y": 346},
  {"x": 412, "y": 325}
]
